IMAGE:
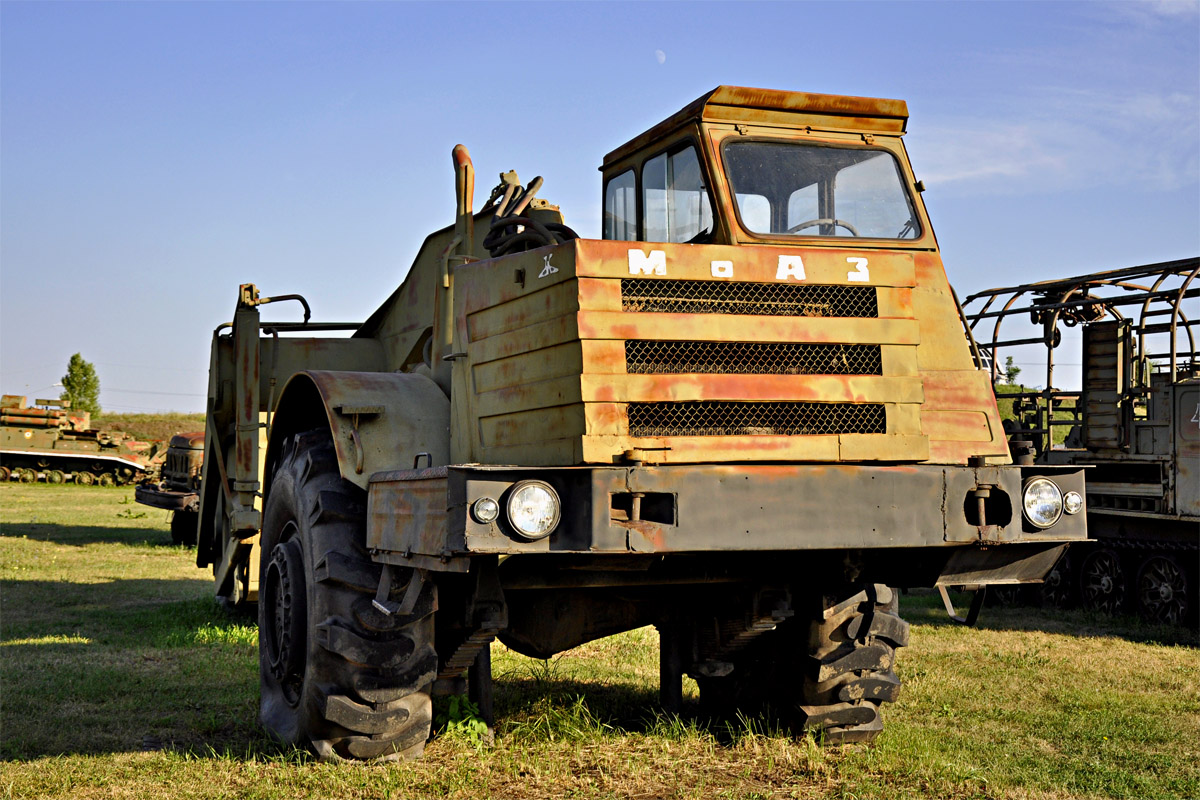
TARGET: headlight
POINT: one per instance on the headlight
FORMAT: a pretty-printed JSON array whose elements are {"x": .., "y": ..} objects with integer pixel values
[
  {"x": 1043, "y": 502},
  {"x": 1072, "y": 502},
  {"x": 533, "y": 509},
  {"x": 485, "y": 510}
]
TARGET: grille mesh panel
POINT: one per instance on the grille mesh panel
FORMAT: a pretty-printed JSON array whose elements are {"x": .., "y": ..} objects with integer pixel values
[
  {"x": 764, "y": 299},
  {"x": 754, "y": 419},
  {"x": 751, "y": 358}
]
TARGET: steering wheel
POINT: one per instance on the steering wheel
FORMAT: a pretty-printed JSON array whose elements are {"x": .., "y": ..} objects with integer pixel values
[{"x": 839, "y": 223}]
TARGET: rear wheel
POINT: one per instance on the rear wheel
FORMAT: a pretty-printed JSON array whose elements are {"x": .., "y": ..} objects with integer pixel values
[
  {"x": 106, "y": 479},
  {"x": 827, "y": 674},
  {"x": 337, "y": 675}
]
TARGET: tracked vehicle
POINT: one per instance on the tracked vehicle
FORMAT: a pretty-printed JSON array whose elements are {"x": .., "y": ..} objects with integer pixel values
[
  {"x": 50, "y": 442},
  {"x": 1134, "y": 421},
  {"x": 740, "y": 417}
]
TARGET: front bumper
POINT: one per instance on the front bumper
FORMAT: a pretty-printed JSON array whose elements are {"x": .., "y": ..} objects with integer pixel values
[
  {"x": 156, "y": 496},
  {"x": 423, "y": 517}
]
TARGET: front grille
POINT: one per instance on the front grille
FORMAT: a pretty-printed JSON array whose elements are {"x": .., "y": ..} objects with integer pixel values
[
  {"x": 754, "y": 419},
  {"x": 751, "y": 358},
  {"x": 179, "y": 469},
  {"x": 764, "y": 299}
]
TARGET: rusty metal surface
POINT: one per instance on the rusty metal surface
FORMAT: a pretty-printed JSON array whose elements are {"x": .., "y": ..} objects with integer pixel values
[
  {"x": 710, "y": 508},
  {"x": 380, "y": 421},
  {"x": 796, "y": 109}
]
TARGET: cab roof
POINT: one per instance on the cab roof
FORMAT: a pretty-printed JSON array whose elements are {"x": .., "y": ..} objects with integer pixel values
[{"x": 772, "y": 107}]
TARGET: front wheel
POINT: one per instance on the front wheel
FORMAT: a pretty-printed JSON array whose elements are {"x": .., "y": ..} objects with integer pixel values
[{"x": 337, "y": 675}]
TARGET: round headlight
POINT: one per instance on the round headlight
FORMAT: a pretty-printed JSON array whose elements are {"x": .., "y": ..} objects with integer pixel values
[
  {"x": 1043, "y": 502},
  {"x": 533, "y": 509},
  {"x": 485, "y": 510},
  {"x": 1072, "y": 502}
]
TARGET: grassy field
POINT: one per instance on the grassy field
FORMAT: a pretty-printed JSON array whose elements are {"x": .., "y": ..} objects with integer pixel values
[
  {"x": 122, "y": 679},
  {"x": 148, "y": 427}
]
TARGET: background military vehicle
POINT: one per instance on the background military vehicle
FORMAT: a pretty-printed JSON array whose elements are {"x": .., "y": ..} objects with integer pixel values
[
  {"x": 1134, "y": 421},
  {"x": 52, "y": 443},
  {"x": 179, "y": 489},
  {"x": 739, "y": 417}
]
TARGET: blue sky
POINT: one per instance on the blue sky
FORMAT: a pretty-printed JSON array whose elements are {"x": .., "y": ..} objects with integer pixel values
[{"x": 155, "y": 155}]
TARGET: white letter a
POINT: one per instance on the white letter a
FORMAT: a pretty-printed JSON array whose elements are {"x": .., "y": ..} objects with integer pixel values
[{"x": 790, "y": 267}]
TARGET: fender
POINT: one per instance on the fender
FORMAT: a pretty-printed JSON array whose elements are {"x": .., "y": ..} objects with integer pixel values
[{"x": 379, "y": 420}]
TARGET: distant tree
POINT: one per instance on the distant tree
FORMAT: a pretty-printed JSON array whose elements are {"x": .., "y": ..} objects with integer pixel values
[
  {"x": 81, "y": 386},
  {"x": 1011, "y": 371}
]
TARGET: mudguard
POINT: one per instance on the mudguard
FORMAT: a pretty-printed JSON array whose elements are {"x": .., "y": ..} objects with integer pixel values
[{"x": 379, "y": 420}]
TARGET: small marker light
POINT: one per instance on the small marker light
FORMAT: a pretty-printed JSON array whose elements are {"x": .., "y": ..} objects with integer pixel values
[{"x": 485, "y": 510}]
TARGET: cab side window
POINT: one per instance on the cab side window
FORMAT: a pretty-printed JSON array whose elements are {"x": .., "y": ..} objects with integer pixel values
[
  {"x": 620, "y": 208},
  {"x": 675, "y": 201}
]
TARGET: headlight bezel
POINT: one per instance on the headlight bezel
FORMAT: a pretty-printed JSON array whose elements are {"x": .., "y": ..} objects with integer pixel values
[
  {"x": 512, "y": 498},
  {"x": 1035, "y": 484}
]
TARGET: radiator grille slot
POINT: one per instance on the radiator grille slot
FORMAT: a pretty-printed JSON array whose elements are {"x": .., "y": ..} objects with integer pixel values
[
  {"x": 754, "y": 419},
  {"x": 751, "y": 358},
  {"x": 764, "y": 299}
]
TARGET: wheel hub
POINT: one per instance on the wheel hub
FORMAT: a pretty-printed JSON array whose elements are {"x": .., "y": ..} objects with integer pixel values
[{"x": 285, "y": 595}]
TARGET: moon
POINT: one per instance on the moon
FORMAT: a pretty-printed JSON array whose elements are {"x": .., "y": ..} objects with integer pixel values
[{"x": 661, "y": 56}]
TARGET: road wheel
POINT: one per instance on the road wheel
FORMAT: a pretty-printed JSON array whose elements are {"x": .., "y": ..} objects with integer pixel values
[
  {"x": 1102, "y": 582},
  {"x": 183, "y": 527},
  {"x": 26, "y": 475},
  {"x": 337, "y": 675},
  {"x": 106, "y": 479},
  {"x": 1058, "y": 590},
  {"x": 827, "y": 672},
  {"x": 5, "y": 474},
  {"x": 55, "y": 476},
  {"x": 1163, "y": 593},
  {"x": 84, "y": 478}
]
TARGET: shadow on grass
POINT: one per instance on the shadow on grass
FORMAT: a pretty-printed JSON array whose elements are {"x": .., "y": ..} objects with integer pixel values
[
  {"x": 83, "y": 535},
  {"x": 571, "y": 708},
  {"x": 125, "y": 666},
  {"x": 927, "y": 610}
]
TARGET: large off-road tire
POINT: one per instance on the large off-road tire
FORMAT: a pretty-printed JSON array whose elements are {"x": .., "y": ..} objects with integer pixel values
[
  {"x": 826, "y": 671},
  {"x": 849, "y": 671},
  {"x": 183, "y": 527},
  {"x": 337, "y": 675}
]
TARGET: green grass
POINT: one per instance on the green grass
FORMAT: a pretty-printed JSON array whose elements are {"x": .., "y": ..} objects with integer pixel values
[{"x": 122, "y": 679}]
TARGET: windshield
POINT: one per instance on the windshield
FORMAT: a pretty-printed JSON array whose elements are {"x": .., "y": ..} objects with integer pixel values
[{"x": 794, "y": 189}]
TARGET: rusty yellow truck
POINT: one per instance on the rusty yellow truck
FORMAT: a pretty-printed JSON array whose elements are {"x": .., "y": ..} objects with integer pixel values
[{"x": 741, "y": 416}]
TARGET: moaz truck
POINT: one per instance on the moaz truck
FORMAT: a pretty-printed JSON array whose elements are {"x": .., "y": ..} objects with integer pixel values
[{"x": 741, "y": 416}]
